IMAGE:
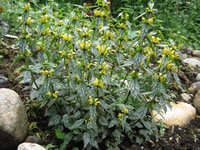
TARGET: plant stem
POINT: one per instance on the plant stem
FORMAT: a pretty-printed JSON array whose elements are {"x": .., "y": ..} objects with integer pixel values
[{"x": 129, "y": 93}]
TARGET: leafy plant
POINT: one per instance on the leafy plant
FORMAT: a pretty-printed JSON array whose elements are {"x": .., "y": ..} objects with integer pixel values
[{"x": 99, "y": 78}]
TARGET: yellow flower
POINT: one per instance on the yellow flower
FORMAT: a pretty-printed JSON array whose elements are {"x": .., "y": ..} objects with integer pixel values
[
  {"x": 28, "y": 54},
  {"x": 90, "y": 119},
  {"x": 97, "y": 13},
  {"x": 90, "y": 101},
  {"x": 96, "y": 102},
  {"x": 46, "y": 31},
  {"x": 101, "y": 83},
  {"x": 102, "y": 49},
  {"x": 67, "y": 37},
  {"x": 60, "y": 22},
  {"x": 28, "y": 21},
  {"x": 51, "y": 72},
  {"x": 143, "y": 20},
  {"x": 155, "y": 40},
  {"x": 55, "y": 94},
  {"x": 44, "y": 72},
  {"x": 104, "y": 66},
  {"x": 120, "y": 115},
  {"x": 166, "y": 51},
  {"x": 85, "y": 45},
  {"x": 39, "y": 45},
  {"x": 150, "y": 21},
  {"x": 109, "y": 34},
  {"x": 44, "y": 19},
  {"x": 49, "y": 94},
  {"x": 98, "y": 82},
  {"x": 102, "y": 13},
  {"x": 122, "y": 25},
  {"x": 62, "y": 53},
  {"x": 125, "y": 110},
  {"x": 139, "y": 33},
  {"x": 26, "y": 7},
  {"x": 20, "y": 20}
]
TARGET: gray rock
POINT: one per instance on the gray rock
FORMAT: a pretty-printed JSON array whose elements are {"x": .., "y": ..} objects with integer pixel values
[
  {"x": 196, "y": 53},
  {"x": 3, "y": 79},
  {"x": 13, "y": 119},
  {"x": 186, "y": 97},
  {"x": 198, "y": 77},
  {"x": 192, "y": 62},
  {"x": 33, "y": 139},
  {"x": 189, "y": 50},
  {"x": 196, "y": 101},
  {"x": 179, "y": 114},
  {"x": 30, "y": 146}
]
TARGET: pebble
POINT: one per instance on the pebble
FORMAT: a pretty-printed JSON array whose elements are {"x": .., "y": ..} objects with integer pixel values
[
  {"x": 3, "y": 79},
  {"x": 196, "y": 53},
  {"x": 198, "y": 77},
  {"x": 186, "y": 97}
]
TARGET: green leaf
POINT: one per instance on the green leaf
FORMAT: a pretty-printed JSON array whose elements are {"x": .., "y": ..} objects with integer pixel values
[
  {"x": 67, "y": 139},
  {"x": 139, "y": 140},
  {"x": 76, "y": 124},
  {"x": 113, "y": 123},
  {"x": 86, "y": 139},
  {"x": 177, "y": 80},
  {"x": 54, "y": 120},
  {"x": 60, "y": 135}
]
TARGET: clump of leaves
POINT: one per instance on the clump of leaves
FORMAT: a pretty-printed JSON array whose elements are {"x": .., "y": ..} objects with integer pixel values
[{"x": 98, "y": 77}]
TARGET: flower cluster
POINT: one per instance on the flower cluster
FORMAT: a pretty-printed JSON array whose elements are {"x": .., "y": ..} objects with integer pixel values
[{"x": 122, "y": 114}]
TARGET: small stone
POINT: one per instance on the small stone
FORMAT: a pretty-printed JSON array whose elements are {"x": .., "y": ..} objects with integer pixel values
[
  {"x": 192, "y": 62},
  {"x": 198, "y": 77},
  {"x": 189, "y": 50},
  {"x": 196, "y": 53},
  {"x": 33, "y": 139},
  {"x": 186, "y": 97},
  {"x": 3, "y": 79},
  {"x": 192, "y": 89},
  {"x": 184, "y": 56},
  {"x": 196, "y": 101},
  {"x": 197, "y": 85},
  {"x": 30, "y": 146},
  {"x": 179, "y": 114}
]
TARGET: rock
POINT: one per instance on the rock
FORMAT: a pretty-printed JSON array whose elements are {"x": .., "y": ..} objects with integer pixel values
[
  {"x": 33, "y": 139},
  {"x": 196, "y": 53},
  {"x": 196, "y": 101},
  {"x": 192, "y": 62},
  {"x": 30, "y": 146},
  {"x": 184, "y": 56},
  {"x": 186, "y": 97},
  {"x": 198, "y": 77},
  {"x": 179, "y": 114},
  {"x": 13, "y": 119},
  {"x": 3, "y": 79},
  {"x": 194, "y": 88},
  {"x": 189, "y": 50}
]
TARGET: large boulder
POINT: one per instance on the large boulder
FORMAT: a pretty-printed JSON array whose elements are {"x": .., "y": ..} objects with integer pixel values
[
  {"x": 179, "y": 114},
  {"x": 30, "y": 146},
  {"x": 13, "y": 119},
  {"x": 196, "y": 101}
]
